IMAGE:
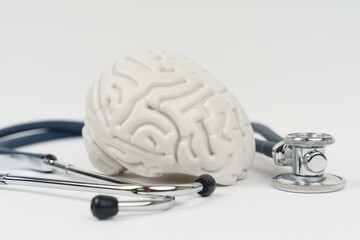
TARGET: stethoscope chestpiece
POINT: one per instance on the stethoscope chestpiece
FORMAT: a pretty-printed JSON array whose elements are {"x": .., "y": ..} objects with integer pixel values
[{"x": 305, "y": 153}]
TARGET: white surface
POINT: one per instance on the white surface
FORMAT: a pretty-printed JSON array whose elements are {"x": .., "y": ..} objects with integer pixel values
[
  {"x": 269, "y": 53},
  {"x": 250, "y": 209},
  {"x": 155, "y": 112},
  {"x": 276, "y": 49}
]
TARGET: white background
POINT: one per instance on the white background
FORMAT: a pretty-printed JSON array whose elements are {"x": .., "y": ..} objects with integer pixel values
[{"x": 294, "y": 65}]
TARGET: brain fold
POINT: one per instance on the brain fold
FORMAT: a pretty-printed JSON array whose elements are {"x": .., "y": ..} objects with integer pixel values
[{"x": 156, "y": 112}]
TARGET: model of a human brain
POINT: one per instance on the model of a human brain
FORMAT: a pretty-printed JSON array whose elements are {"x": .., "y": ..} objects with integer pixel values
[{"x": 156, "y": 112}]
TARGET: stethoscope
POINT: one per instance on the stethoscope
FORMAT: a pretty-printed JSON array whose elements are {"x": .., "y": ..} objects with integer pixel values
[{"x": 304, "y": 152}]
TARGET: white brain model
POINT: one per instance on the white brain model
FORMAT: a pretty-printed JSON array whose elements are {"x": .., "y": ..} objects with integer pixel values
[{"x": 157, "y": 112}]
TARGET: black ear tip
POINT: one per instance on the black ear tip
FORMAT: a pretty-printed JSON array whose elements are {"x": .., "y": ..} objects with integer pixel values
[
  {"x": 103, "y": 207},
  {"x": 209, "y": 184}
]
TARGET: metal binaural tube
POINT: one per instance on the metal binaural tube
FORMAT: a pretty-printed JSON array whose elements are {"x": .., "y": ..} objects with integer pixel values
[
  {"x": 129, "y": 190},
  {"x": 71, "y": 170},
  {"x": 171, "y": 190},
  {"x": 147, "y": 205},
  {"x": 122, "y": 189},
  {"x": 49, "y": 165},
  {"x": 204, "y": 185},
  {"x": 101, "y": 206},
  {"x": 159, "y": 190}
]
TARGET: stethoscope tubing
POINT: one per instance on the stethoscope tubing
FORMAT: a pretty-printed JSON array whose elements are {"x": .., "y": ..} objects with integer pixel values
[
  {"x": 53, "y": 130},
  {"x": 272, "y": 138},
  {"x": 38, "y": 132},
  {"x": 55, "y": 126}
]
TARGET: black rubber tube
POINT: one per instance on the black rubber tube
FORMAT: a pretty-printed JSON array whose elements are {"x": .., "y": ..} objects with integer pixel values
[
  {"x": 58, "y": 126},
  {"x": 64, "y": 129},
  {"x": 7, "y": 151},
  {"x": 264, "y": 147},
  {"x": 36, "y": 138},
  {"x": 53, "y": 130},
  {"x": 266, "y": 132}
]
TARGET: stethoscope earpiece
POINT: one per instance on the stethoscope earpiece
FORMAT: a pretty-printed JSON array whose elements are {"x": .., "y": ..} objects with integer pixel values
[
  {"x": 208, "y": 184},
  {"x": 104, "y": 206}
]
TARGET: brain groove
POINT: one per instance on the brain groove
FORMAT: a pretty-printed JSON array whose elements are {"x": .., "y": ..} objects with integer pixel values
[{"x": 156, "y": 112}]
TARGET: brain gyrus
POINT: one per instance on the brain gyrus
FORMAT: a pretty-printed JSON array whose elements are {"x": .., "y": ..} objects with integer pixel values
[{"x": 156, "y": 112}]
